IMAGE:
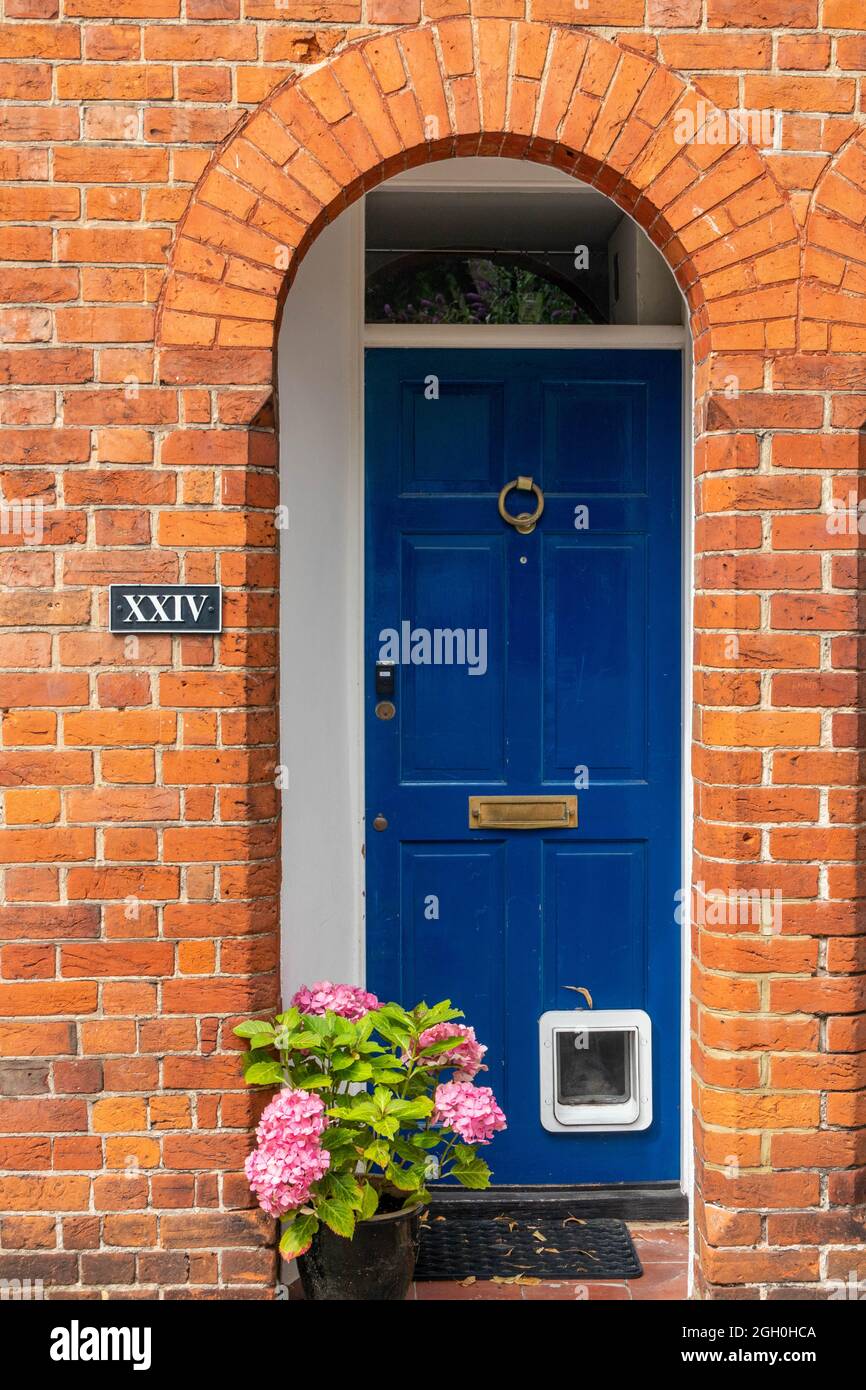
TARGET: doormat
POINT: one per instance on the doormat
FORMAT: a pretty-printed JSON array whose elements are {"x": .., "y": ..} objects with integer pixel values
[{"x": 524, "y": 1244}]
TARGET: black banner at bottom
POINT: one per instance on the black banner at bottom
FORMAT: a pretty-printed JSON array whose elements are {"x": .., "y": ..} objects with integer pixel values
[{"x": 238, "y": 1341}]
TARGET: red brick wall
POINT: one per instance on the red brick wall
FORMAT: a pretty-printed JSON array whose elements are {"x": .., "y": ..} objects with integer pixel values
[{"x": 151, "y": 226}]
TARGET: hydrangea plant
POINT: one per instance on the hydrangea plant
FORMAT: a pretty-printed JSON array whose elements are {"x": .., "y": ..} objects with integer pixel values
[{"x": 374, "y": 1099}]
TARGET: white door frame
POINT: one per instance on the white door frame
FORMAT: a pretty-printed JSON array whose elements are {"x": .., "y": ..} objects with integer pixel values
[{"x": 524, "y": 335}]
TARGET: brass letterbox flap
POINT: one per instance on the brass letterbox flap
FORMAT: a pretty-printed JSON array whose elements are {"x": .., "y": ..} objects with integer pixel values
[{"x": 522, "y": 812}]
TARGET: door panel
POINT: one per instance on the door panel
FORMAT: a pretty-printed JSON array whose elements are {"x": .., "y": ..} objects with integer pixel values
[
  {"x": 594, "y": 437},
  {"x": 580, "y": 679},
  {"x": 464, "y": 883},
  {"x": 452, "y": 724},
  {"x": 594, "y": 672},
  {"x": 470, "y": 411},
  {"x": 585, "y": 885}
]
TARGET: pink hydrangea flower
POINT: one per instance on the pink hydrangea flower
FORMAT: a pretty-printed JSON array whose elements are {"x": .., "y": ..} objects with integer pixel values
[
  {"x": 347, "y": 1000},
  {"x": 289, "y": 1157},
  {"x": 471, "y": 1111},
  {"x": 467, "y": 1058}
]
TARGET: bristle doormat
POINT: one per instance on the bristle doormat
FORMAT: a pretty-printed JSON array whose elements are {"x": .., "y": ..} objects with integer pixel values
[{"x": 524, "y": 1244}]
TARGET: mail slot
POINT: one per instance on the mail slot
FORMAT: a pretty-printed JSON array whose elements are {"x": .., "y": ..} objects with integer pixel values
[{"x": 522, "y": 812}]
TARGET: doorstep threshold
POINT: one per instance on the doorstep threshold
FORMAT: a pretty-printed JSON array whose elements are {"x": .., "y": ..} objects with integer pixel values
[{"x": 656, "y": 1201}]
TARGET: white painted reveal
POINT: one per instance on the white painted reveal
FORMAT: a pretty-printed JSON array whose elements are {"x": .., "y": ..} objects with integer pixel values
[{"x": 319, "y": 386}]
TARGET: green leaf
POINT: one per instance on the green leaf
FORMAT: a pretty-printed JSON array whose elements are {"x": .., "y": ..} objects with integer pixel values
[
  {"x": 386, "y": 1061},
  {"x": 358, "y": 1107},
  {"x": 338, "y": 1137},
  {"x": 401, "y": 1037},
  {"x": 369, "y": 1202},
  {"x": 318, "y": 1024},
  {"x": 410, "y": 1151},
  {"x": 474, "y": 1178},
  {"x": 464, "y": 1154},
  {"x": 337, "y": 1215},
  {"x": 395, "y": 1012},
  {"x": 406, "y": 1179},
  {"x": 412, "y": 1109},
  {"x": 366, "y": 1025},
  {"x": 388, "y": 1125},
  {"x": 440, "y": 1013},
  {"x": 297, "y": 1236},
  {"x": 341, "y": 1062},
  {"x": 428, "y": 1138},
  {"x": 443, "y": 1045},
  {"x": 311, "y": 1081},
  {"x": 345, "y": 1188},
  {"x": 253, "y": 1027},
  {"x": 383, "y": 1100},
  {"x": 289, "y": 1020},
  {"x": 389, "y": 1078},
  {"x": 378, "y": 1152},
  {"x": 264, "y": 1074},
  {"x": 469, "y": 1169},
  {"x": 358, "y": 1071},
  {"x": 305, "y": 1039}
]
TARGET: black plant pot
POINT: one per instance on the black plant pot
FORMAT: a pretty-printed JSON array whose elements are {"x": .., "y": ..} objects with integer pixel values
[{"x": 377, "y": 1263}]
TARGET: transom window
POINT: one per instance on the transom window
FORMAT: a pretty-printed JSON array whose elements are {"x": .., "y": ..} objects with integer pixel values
[
  {"x": 474, "y": 287},
  {"x": 550, "y": 251}
]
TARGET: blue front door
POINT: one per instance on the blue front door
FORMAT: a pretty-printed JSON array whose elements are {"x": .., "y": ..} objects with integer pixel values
[{"x": 543, "y": 663}]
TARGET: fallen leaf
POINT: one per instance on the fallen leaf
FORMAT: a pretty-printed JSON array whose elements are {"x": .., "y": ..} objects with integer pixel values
[{"x": 464, "y": 1283}]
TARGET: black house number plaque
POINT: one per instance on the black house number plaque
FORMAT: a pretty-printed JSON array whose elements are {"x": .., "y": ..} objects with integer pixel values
[{"x": 165, "y": 608}]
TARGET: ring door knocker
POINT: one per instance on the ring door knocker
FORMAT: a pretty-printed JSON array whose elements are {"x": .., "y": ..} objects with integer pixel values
[{"x": 524, "y": 522}]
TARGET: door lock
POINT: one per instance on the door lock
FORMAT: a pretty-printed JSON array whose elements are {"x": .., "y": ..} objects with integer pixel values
[
  {"x": 384, "y": 687},
  {"x": 380, "y": 823},
  {"x": 385, "y": 680}
]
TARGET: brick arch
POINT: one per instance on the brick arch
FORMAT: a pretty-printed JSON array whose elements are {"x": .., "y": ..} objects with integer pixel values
[
  {"x": 606, "y": 115},
  {"x": 833, "y": 295}
]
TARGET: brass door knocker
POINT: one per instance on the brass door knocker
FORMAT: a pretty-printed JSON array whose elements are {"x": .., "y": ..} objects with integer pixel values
[{"x": 524, "y": 522}]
